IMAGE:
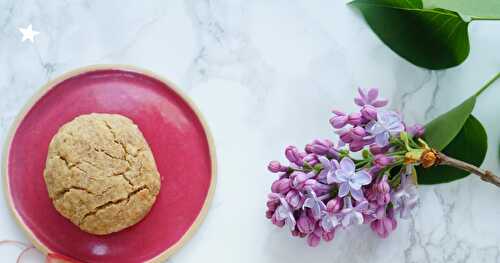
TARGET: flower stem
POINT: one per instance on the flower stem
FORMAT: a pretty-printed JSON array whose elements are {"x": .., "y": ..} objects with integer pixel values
[
  {"x": 487, "y": 84},
  {"x": 478, "y": 18},
  {"x": 485, "y": 175},
  {"x": 396, "y": 153},
  {"x": 361, "y": 163}
]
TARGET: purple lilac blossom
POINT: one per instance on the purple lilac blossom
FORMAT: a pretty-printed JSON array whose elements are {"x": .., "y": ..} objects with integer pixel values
[
  {"x": 351, "y": 181},
  {"x": 405, "y": 198},
  {"x": 416, "y": 130},
  {"x": 314, "y": 203},
  {"x": 323, "y": 187},
  {"x": 352, "y": 215},
  {"x": 305, "y": 224},
  {"x": 327, "y": 175},
  {"x": 388, "y": 123},
  {"x": 369, "y": 98},
  {"x": 283, "y": 212},
  {"x": 329, "y": 221},
  {"x": 276, "y": 167},
  {"x": 384, "y": 222},
  {"x": 295, "y": 199}
]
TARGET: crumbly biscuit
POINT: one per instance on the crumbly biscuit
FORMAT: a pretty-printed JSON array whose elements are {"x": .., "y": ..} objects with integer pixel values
[{"x": 101, "y": 174}]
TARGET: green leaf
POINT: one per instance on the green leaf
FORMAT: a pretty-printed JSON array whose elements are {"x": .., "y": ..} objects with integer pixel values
[
  {"x": 476, "y": 9},
  {"x": 429, "y": 38},
  {"x": 470, "y": 145},
  {"x": 458, "y": 134},
  {"x": 441, "y": 131}
]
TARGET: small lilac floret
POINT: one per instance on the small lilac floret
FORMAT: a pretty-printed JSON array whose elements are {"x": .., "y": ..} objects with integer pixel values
[
  {"x": 283, "y": 212},
  {"x": 351, "y": 181},
  {"x": 388, "y": 123}
]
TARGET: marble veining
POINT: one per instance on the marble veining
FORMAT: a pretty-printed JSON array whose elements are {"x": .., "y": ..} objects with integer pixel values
[{"x": 266, "y": 74}]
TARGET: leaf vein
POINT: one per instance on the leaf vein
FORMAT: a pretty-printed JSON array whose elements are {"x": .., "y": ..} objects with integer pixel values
[{"x": 453, "y": 31}]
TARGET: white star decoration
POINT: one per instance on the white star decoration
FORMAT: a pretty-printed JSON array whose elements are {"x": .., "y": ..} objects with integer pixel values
[{"x": 28, "y": 33}]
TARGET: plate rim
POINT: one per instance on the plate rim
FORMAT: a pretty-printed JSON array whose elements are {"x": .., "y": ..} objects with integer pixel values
[{"x": 100, "y": 67}]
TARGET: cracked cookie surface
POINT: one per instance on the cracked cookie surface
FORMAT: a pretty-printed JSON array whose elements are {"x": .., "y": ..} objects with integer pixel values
[{"x": 100, "y": 173}]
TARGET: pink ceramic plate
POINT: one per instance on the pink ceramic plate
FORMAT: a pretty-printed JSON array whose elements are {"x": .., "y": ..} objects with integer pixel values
[{"x": 178, "y": 138}]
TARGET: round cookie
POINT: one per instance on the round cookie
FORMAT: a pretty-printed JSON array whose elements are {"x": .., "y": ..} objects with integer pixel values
[{"x": 100, "y": 173}]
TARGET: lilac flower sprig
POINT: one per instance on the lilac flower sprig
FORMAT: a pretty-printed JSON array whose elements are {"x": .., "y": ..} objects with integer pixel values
[{"x": 330, "y": 186}]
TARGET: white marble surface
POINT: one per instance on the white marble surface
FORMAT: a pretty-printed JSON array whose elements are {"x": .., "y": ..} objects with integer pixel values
[{"x": 266, "y": 74}]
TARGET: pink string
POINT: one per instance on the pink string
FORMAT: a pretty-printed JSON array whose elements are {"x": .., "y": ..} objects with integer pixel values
[
  {"x": 14, "y": 242},
  {"x": 23, "y": 253},
  {"x": 25, "y": 247}
]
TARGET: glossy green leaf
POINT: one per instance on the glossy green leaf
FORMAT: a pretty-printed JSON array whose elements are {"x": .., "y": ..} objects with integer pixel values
[
  {"x": 458, "y": 134},
  {"x": 470, "y": 145},
  {"x": 429, "y": 38},
  {"x": 476, "y": 9},
  {"x": 441, "y": 131}
]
